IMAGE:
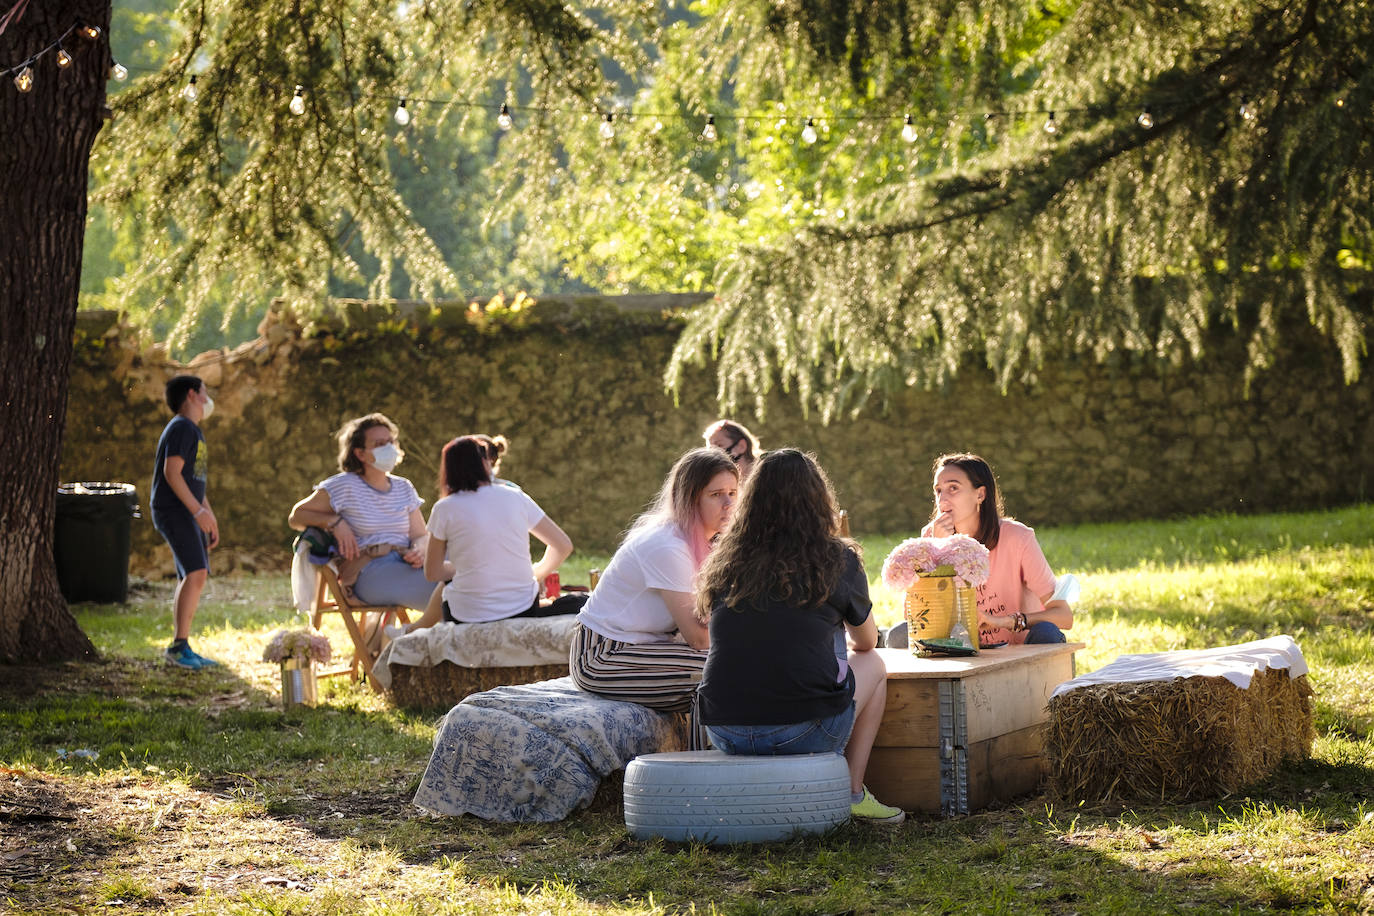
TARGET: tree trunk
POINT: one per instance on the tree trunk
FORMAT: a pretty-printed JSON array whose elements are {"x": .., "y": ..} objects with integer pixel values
[{"x": 47, "y": 136}]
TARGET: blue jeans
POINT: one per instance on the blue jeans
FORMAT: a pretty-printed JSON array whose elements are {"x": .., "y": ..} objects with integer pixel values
[
  {"x": 818, "y": 736},
  {"x": 1044, "y": 632},
  {"x": 391, "y": 580}
]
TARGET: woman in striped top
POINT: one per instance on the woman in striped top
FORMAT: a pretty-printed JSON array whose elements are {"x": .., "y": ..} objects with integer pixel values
[
  {"x": 374, "y": 516},
  {"x": 638, "y": 637}
]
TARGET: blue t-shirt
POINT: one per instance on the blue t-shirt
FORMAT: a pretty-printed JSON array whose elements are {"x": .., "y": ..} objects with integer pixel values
[{"x": 180, "y": 437}]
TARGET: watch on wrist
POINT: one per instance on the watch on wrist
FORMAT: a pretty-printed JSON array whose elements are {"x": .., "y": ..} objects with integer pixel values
[{"x": 1020, "y": 621}]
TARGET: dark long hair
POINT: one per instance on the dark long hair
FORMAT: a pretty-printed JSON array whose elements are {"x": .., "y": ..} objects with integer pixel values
[
  {"x": 461, "y": 465},
  {"x": 783, "y": 542},
  {"x": 980, "y": 474}
]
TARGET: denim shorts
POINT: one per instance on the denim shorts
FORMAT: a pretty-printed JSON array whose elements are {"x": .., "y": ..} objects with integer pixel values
[{"x": 818, "y": 736}]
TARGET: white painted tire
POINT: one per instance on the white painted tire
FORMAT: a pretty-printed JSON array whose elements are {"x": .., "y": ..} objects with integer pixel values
[{"x": 713, "y": 797}]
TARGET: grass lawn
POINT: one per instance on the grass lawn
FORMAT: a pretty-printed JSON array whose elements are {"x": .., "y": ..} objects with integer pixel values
[{"x": 206, "y": 797}]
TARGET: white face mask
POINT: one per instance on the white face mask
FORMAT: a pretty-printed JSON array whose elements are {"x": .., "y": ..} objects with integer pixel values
[
  {"x": 386, "y": 457},
  {"x": 209, "y": 407}
]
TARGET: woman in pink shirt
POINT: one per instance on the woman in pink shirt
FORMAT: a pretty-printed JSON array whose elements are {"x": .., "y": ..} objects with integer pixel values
[{"x": 1014, "y": 605}]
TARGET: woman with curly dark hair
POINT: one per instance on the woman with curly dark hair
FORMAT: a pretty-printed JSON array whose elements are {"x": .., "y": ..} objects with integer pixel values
[{"x": 781, "y": 590}]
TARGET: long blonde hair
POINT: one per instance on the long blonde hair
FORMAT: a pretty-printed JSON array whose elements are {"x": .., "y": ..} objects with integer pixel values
[{"x": 677, "y": 499}]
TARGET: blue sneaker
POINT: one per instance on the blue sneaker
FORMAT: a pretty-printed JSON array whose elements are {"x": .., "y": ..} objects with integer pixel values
[
  {"x": 183, "y": 657},
  {"x": 202, "y": 660}
]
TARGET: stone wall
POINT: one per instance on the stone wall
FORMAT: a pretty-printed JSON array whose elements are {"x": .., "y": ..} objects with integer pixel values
[{"x": 575, "y": 384}]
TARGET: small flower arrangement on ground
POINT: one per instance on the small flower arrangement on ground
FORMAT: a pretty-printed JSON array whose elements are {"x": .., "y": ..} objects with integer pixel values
[
  {"x": 957, "y": 555},
  {"x": 304, "y": 645}
]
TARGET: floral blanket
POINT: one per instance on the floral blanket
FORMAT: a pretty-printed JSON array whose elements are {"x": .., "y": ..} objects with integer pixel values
[
  {"x": 536, "y": 752},
  {"x": 511, "y": 643}
]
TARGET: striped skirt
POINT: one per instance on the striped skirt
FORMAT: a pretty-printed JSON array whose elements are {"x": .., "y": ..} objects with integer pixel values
[{"x": 659, "y": 675}]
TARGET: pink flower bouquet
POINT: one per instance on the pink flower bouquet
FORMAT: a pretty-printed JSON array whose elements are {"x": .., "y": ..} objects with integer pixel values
[
  {"x": 957, "y": 555},
  {"x": 305, "y": 645}
]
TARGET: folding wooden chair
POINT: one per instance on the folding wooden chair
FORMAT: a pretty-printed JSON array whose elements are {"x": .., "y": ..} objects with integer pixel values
[{"x": 364, "y": 622}]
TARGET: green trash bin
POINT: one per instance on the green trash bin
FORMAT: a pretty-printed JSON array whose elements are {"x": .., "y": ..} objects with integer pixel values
[{"x": 91, "y": 540}]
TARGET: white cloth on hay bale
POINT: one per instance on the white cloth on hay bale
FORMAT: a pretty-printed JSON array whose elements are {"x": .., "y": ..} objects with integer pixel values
[
  {"x": 512, "y": 643},
  {"x": 1237, "y": 664},
  {"x": 535, "y": 752}
]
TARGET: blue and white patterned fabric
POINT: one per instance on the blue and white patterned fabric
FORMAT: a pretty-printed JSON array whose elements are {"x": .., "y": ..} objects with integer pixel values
[{"x": 536, "y": 752}]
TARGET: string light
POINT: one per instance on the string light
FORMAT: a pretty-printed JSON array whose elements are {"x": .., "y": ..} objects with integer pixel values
[
  {"x": 1051, "y": 126},
  {"x": 504, "y": 120},
  {"x": 297, "y": 104},
  {"x": 808, "y": 134},
  {"x": 402, "y": 114},
  {"x": 1247, "y": 108},
  {"x": 24, "y": 81},
  {"x": 909, "y": 130},
  {"x": 64, "y": 60},
  {"x": 708, "y": 133},
  {"x": 607, "y": 130},
  {"x": 90, "y": 31},
  {"x": 190, "y": 92},
  {"x": 1145, "y": 119},
  {"x": 118, "y": 71}
]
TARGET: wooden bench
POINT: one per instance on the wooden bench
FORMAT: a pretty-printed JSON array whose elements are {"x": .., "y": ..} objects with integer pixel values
[{"x": 961, "y": 733}]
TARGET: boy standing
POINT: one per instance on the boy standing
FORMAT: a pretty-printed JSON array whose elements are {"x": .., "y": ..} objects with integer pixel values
[{"x": 181, "y": 513}]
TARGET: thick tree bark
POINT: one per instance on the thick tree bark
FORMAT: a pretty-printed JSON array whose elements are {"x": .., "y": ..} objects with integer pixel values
[{"x": 47, "y": 137}]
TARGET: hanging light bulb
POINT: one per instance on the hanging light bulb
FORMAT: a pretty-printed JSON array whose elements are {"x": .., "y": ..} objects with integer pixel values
[
  {"x": 1247, "y": 108},
  {"x": 402, "y": 114},
  {"x": 909, "y": 130},
  {"x": 118, "y": 71},
  {"x": 708, "y": 133},
  {"x": 297, "y": 103},
  {"x": 190, "y": 92},
  {"x": 504, "y": 120},
  {"x": 1145, "y": 119},
  {"x": 64, "y": 60},
  {"x": 1051, "y": 126},
  {"x": 607, "y": 130},
  {"x": 24, "y": 81},
  {"x": 90, "y": 31},
  {"x": 808, "y": 134}
]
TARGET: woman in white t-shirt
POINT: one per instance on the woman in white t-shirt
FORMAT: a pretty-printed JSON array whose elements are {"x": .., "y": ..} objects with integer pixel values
[
  {"x": 374, "y": 516},
  {"x": 638, "y": 637},
  {"x": 479, "y": 545}
]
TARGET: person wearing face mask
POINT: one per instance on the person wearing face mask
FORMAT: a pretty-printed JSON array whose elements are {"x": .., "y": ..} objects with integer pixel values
[
  {"x": 181, "y": 511},
  {"x": 374, "y": 516}
]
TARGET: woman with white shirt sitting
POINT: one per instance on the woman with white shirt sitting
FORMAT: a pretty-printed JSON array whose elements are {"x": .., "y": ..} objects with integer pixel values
[
  {"x": 479, "y": 545},
  {"x": 374, "y": 517},
  {"x": 638, "y": 638}
]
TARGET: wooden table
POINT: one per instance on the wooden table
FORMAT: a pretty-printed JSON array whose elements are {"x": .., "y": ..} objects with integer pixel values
[{"x": 960, "y": 733}]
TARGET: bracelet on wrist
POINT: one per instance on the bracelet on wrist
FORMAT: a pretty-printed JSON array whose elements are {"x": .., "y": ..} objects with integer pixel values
[{"x": 201, "y": 511}]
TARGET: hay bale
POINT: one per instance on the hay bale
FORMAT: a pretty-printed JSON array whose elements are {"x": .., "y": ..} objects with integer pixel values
[
  {"x": 1175, "y": 741},
  {"x": 441, "y": 686}
]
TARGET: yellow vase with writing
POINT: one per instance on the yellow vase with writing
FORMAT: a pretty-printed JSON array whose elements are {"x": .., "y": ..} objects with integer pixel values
[{"x": 932, "y": 605}]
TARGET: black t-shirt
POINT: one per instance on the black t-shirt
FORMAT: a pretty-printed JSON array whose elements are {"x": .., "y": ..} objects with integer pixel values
[
  {"x": 777, "y": 665},
  {"x": 180, "y": 437}
]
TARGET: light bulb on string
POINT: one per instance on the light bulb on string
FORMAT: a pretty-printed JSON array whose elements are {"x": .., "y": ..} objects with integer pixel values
[
  {"x": 1051, "y": 125},
  {"x": 190, "y": 92},
  {"x": 503, "y": 119},
  {"x": 808, "y": 134},
  {"x": 24, "y": 81},
  {"x": 607, "y": 129},
  {"x": 1247, "y": 109},
  {"x": 909, "y": 130},
  {"x": 1145, "y": 119},
  {"x": 297, "y": 104},
  {"x": 708, "y": 132},
  {"x": 118, "y": 71},
  {"x": 402, "y": 114},
  {"x": 90, "y": 31},
  {"x": 64, "y": 60}
]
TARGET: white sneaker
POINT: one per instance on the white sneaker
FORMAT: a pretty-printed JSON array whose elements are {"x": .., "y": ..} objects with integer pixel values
[{"x": 395, "y": 631}]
